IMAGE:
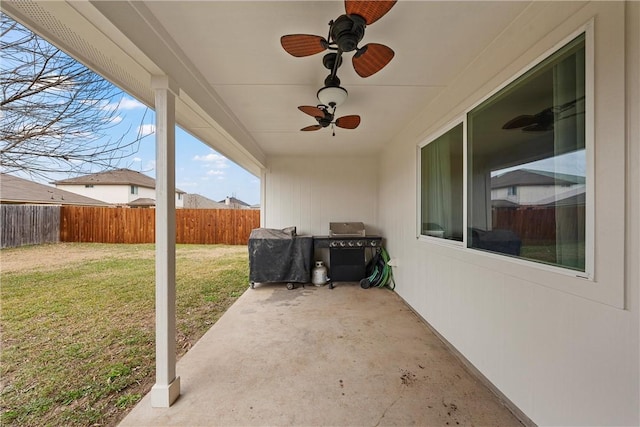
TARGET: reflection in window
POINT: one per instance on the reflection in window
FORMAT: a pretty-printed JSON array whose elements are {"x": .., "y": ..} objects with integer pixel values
[
  {"x": 527, "y": 162},
  {"x": 441, "y": 186}
]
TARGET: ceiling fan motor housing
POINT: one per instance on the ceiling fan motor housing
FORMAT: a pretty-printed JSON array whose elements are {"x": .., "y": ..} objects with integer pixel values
[
  {"x": 329, "y": 60},
  {"x": 347, "y": 31},
  {"x": 326, "y": 120}
]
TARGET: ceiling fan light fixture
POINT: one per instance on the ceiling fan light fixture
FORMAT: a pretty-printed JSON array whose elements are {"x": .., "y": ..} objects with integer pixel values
[{"x": 333, "y": 96}]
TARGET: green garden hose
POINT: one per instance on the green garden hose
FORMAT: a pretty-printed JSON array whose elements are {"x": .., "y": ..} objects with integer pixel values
[{"x": 379, "y": 271}]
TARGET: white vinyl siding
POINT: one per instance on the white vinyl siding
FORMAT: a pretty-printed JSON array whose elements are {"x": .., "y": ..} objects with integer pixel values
[{"x": 564, "y": 349}]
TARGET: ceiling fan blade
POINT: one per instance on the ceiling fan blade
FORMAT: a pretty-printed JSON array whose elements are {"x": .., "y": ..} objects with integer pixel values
[
  {"x": 348, "y": 122},
  {"x": 300, "y": 45},
  {"x": 312, "y": 127},
  {"x": 537, "y": 127},
  {"x": 371, "y": 58},
  {"x": 521, "y": 121},
  {"x": 312, "y": 111},
  {"x": 371, "y": 11}
]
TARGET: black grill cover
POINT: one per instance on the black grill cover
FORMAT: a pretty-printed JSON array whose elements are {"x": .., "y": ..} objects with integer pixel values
[
  {"x": 279, "y": 256},
  {"x": 503, "y": 241}
]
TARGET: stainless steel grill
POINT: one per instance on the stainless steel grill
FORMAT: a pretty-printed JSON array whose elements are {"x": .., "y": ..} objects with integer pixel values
[
  {"x": 347, "y": 242},
  {"x": 346, "y": 229}
]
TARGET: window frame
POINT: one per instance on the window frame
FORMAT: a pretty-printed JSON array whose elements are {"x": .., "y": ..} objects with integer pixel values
[
  {"x": 459, "y": 120},
  {"x": 589, "y": 273}
]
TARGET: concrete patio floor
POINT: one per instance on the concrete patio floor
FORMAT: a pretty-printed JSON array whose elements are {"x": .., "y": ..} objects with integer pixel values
[{"x": 319, "y": 357}]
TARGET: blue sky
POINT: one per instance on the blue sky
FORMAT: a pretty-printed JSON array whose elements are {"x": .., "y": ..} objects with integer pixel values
[{"x": 199, "y": 169}]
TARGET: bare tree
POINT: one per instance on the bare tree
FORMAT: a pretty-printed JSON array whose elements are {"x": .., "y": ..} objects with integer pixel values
[{"x": 55, "y": 113}]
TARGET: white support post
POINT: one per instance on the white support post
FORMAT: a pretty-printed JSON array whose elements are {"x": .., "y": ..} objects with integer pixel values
[{"x": 167, "y": 387}]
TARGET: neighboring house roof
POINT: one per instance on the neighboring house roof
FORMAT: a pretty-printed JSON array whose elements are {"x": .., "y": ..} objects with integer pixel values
[
  {"x": 502, "y": 203},
  {"x": 573, "y": 197},
  {"x": 113, "y": 177},
  {"x": 522, "y": 177},
  {"x": 142, "y": 202},
  {"x": 196, "y": 201},
  {"x": 19, "y": 190},
  {"x": 577, "y": 200},
  {"x": 234, "y": 202}
]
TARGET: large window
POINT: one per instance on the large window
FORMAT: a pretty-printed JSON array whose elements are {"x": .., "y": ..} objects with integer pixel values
[
  {"x": 526, "y": 164},
  {"x": 441, "y": 186},
  {"x": 526, "y": 168}
]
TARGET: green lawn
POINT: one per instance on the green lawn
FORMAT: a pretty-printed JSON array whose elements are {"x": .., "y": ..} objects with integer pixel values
[
  {"x": 77, "y": 325},
  {"x": 574, "y": 254}
]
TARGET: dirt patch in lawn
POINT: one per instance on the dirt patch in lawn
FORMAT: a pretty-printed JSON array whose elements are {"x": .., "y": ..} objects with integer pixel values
[{"x": 60, "y": 255}]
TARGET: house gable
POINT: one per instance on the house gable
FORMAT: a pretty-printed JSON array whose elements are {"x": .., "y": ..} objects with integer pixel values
[{"x": 119, "y": 186}]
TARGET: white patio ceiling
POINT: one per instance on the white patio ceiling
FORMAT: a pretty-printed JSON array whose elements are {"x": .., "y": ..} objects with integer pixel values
[{"x": 240, "y": 89}]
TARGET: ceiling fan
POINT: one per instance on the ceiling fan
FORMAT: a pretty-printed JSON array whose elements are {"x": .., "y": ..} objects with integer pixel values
[
  {"x": 325, "y": 117},
  {"x": 344, "y": 35},
  {"x": 544, "y": 120}
]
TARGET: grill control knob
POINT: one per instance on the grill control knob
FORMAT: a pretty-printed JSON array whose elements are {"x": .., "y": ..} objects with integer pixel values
[
  {"x": 359, "y": 243},
  {"x": 351, "y": 243},
  {"x": 374, "y": 243},
  {"x": 342, "y": 243},
  {"x": 333, "y": 244}
]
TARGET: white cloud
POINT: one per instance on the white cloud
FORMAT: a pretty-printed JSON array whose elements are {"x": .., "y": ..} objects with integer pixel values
[
  {"x": 137, "y": 159},
  {"x": 211, "y": 157},
  {"x": 130, "y": 104},
  {"x": 115, "y": 120},
  {"x": 215, "y": 163},
  {"x": 145, "y": 130},
  {"x": 100, "y": 103},
  {"x": 124, "y": 104},
  {"x": 54, "y": 83},
  {"x": 185, "y": 184}
]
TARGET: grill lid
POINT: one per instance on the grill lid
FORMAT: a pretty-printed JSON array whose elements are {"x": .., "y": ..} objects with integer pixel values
[{"x": 346, "y": 229}]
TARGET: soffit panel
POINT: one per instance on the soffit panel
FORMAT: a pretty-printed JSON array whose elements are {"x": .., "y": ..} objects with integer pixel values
[{"x": 246, "y": 88}]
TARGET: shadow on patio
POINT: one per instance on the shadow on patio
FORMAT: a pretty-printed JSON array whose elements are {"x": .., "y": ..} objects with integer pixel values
[{"x": 314, "y": 356}]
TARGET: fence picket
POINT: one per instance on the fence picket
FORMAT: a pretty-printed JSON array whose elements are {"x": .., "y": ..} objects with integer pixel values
[
  {"x": 29, "y": 225},
  {"x": 119, "y": 225}
]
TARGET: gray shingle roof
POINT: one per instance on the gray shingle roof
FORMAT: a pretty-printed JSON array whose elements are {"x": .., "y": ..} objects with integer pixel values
[
  {"x": 234, "y": 201},
  {"x": 113, "y": 177},
  {"x": 116, "y": 176},
  {"x": 534, "y": 177},
  {"x": 196, "y": 201},
  {"x": 19, "y": 190},
  {"x": 142, "y": 202}
]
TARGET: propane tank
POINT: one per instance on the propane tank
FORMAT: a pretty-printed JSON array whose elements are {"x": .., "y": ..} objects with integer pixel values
[{"x": 319, "y": 274}]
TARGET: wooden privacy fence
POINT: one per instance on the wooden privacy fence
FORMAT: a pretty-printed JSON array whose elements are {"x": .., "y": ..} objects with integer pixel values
[
  {"x": 121, "y": 225},
  {"x": 29, "y": 225},
  {"x": 538, "y": 224}
]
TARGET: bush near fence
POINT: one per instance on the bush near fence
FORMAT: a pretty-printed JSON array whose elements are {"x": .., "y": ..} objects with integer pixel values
[
  {"x": 22, "y": 225},
  {"x": 122, "y": 225}
]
